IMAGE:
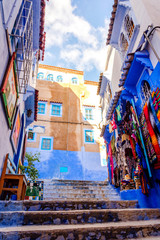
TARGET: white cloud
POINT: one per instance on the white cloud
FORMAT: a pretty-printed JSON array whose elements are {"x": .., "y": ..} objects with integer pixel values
[{"x": 62, "y": 25}]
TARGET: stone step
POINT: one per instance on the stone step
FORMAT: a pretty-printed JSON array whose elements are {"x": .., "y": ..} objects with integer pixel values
[
  {"x": 69, "y": 204},
  {"x": 78, "y": 188},
  {"x": 146, "y": 238},
  {"x": 69, "y": 195},
  {"x": 20, "y": 218},
  {"x": 103, "y": 231},
  {"x": 74, "y": 194},
  {"x": 76, "y": 183}
]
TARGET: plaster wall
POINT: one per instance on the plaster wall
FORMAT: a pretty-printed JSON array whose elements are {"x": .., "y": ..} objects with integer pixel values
[
  {"x": 68, "y": 131},
  {"x": 116, "y": 72},
  {"x": 80, "y": 165},
  {"x": 5, "y": 144},
  {"x": 147, "y": 13},
  {"x": 11, "y": 9}
]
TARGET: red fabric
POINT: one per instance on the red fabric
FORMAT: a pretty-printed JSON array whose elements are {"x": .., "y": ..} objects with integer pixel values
[
  {"x": 152, "y": 134},
  {"x": 133, "y": 147},
  {"x": 111, "y": 161}
]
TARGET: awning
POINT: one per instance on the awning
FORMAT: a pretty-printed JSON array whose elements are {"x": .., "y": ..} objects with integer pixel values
[{"x": 140, "y": 62}]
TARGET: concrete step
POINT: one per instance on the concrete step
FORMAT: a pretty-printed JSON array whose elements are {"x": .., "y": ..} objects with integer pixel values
[
  {"x": 103, "y": 231},
  {"x": 21, "y": 218},
  {"x": 73, "y": 188},
  {"x": 69, "y": 204},
  {"x": 77, "y": 190},
  {"x": 78, "y": 195},
  {"x": 147, "y": 238},
  {"x": 76, "y": 181}
]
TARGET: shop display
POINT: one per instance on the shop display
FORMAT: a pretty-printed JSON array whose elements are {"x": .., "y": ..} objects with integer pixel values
[{"x": 126, "y": 157}]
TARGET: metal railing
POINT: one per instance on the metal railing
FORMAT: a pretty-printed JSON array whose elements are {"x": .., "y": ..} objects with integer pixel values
[{"x": 22, "y": 42}]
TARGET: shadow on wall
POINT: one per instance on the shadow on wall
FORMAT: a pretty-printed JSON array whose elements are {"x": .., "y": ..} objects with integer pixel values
[{"x": 69, "y": 158}]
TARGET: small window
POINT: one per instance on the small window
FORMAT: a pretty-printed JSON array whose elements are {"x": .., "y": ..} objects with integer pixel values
[
  {"x": 59, "y": 78},
  {"x": 46, "y": 144},
  {"x": 63, "y": 169},
  {"x": 88, "y": 113},
  {"x": 42, "y": 108},
  {"x": 31, "y": 136},
  {"x": 40, "y": 76},
  {"x": 89, "y": 136},
  {"x": 50, "y": 77},
  {"x": 74, "y": 80},
  {"x": 56, "y": 109}
]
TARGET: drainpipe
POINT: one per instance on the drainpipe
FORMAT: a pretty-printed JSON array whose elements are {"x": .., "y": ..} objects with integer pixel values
[
  {"x": 2, "y": 12},
  {"x": 147, "y": 38}
]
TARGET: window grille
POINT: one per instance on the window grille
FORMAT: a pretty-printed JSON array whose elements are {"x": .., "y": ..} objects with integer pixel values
[
  {"x": 129, "y": 26},
  {"x": 50, "y": 77},
  {"x": 74, "y": 80},
  {"x": 41, "y": 108},
  {"x": 126, "y": 34},
  {"x": 56, "y": 109},
  {"x": 89, "y": 136},
  {"x": 46, "y": 144},
  {"x": 59, "y": 78},
  {"x": 89, "y": 114},
  {"x": 22, "y": 42},
  {"x": 123, "y": 44},
  {"x": 40, "y": 76}
]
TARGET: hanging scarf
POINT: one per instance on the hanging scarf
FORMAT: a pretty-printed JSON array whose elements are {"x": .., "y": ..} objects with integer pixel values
[
  {"x": 151, "y": 132},
  {"x": 111, "y": 161},
  {"x": 118, "y": 110},
  {"x": 143, "y": 180},
  {"x": 154, "y": 114},
  {"x": 133, "y": 147},
  {"x": 149, "y": 147}
]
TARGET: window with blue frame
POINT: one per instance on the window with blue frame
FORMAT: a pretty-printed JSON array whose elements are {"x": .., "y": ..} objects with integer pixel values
[
  {"x": 88, "y": 113},
  {"x": 31, "y": 137},
  {"x": 74, "y": 80},
  {"x": 56, "y": 109},
  {"x": 59, "y": 78},
  {"x": 46, "y": 143},
  {"x": 89, "y": 136},
  {"x": 40, "y": 75},
  {"x": 50, "y": 77},
  {"x": 42, "y": 108}
]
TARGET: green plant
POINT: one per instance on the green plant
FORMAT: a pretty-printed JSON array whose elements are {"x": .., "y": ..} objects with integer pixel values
[{"x": 29, "y": 167}]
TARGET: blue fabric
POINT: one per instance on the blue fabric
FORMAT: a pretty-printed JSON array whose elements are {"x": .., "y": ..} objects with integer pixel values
[
  {"x": 154, "y": 114},
  {"x": 141, "y": 156}
]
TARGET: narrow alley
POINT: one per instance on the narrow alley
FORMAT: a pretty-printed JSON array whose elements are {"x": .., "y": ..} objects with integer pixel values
[{"x": 79, "y": 120}]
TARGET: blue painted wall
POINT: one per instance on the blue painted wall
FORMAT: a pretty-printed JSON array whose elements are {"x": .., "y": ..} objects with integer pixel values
[
  {"x": 152, "y": 200},
  {"x": 81, "y": 165}
]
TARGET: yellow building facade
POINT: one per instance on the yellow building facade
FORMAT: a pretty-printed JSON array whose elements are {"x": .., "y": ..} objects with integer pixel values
[{"x": 66, "y": 132}]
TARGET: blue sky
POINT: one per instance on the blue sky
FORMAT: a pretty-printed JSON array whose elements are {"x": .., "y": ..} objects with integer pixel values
[{"x": 76, "y": 35}]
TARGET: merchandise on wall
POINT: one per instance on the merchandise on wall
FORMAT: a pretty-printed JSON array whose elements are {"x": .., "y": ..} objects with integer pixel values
[
  {"x": 9, "y": 91},
  {"x": 127, "y": 154},
  {"x": 34, "y": 190}
]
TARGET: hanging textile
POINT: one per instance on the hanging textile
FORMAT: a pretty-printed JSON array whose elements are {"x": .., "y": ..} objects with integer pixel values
[
  {"x": 133, "y": 147},
  {"x": 112, "y": 125},
  {"x": 143, "y": 180},
  {"x": 118, "y": 111},
  {"x": 157, "y": 122},
  {"x": 151, "y": 132},
  {"x": 111, "y": 160},
  {"x": 149, "y": 147}
]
